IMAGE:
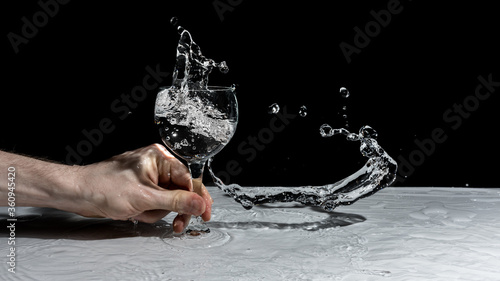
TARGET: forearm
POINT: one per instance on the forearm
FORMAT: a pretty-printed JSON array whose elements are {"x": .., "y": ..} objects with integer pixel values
[{"x": 38, "y": 183}]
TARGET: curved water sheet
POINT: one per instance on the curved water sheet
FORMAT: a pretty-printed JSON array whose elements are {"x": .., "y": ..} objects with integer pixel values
[{"x": 378, "y": 172}]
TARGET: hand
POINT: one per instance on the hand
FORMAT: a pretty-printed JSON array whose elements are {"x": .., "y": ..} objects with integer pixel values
[{"x": 145, "y": 185}]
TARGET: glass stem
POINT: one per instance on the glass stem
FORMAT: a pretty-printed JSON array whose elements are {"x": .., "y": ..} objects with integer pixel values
[
  {"x": 196, "y": 169},
  {"x": 196, "y": 225}
]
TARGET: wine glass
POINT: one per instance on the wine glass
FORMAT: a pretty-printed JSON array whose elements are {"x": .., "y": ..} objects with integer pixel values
[{"x": 195, "y": 124}]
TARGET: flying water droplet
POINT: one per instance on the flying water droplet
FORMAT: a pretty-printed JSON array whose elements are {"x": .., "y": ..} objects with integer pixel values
[
  {"x": 174, "y": 21},
  {"x": 223, "y": 67},
  {"x": 303, "y": 111},
  {"x": 344, "y": 92},
  {"x": 352, "y": 137},
  {"x": 368, "y": 132},
  {"x": 273, "y": 108},
  {"x": 180, "y": 29},
  {"x": 326, "y": 130}
]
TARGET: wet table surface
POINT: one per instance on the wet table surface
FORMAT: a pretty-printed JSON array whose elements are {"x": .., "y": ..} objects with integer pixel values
[{"x": 396, "y": 234}]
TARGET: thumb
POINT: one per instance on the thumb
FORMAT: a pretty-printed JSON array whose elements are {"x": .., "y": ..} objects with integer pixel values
[{"x": 180, "y": 201}]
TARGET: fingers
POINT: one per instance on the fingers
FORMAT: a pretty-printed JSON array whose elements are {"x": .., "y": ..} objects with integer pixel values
[
  {"x": 180, "y": 222},
  {"x": 172, "y": 173},
  {"x": 201, "y": 190},
  {"x": 180, "y": 201},
  {"x": 151, "y": 216}
]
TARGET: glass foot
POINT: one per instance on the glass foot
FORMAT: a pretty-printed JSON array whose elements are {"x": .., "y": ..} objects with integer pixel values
[{"x": 192, "y": 239}]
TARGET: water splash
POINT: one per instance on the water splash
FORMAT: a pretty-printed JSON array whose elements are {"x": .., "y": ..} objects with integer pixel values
[
  {"x": 191, "y": 116},
  {"x": 378, "y": 172},
  {"x": 303, "y": 111},
  {"x": 195, "y": 122},
  {"x": 273, "y": 108},
  {"x": 192, "y": 68},
  {"x": 344, "y": 92}
]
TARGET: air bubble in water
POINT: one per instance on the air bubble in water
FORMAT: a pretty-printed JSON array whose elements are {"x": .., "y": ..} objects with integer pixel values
[
  {"x": 303, "y": 111},
  {"x": 344, "y": 92},
  {"x": 273, "y": 108}
]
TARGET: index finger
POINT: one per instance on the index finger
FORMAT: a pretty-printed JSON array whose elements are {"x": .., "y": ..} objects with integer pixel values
[{"x": 172, "y": 173}]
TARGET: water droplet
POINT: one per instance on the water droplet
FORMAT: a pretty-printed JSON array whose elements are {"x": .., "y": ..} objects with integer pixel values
[
  {"x": 344, "y": 107},
  {"x": 180, "y": 29},
  {"x": 174, "y": 21},
  {"x": 341, "y": 131},
  {"x": 273, "y": 108},
  {"x": 368, "y": 132},
  {"x": 326, "y": 130},
  {"x": 223, "y": 67},
  {"x": 344, "y": 116},
  {"x": 352, "y": 137},
  {"x": 303, "y": 111},
  {"x": 369, "y": 147},
  {"x": 344, "y": 92}
]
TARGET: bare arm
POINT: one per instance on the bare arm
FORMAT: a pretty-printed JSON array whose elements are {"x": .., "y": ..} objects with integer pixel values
[{"x": 144, "y": 184}]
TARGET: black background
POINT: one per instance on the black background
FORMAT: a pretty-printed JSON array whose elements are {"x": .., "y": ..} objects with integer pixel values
[{"x": 413, "y": 70}]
